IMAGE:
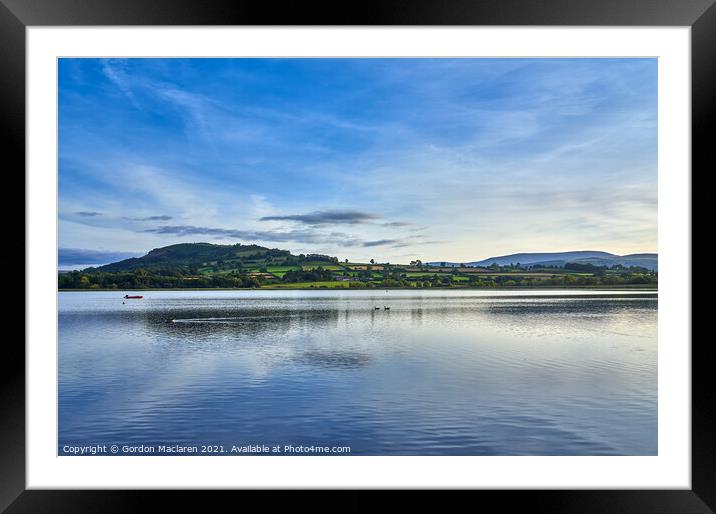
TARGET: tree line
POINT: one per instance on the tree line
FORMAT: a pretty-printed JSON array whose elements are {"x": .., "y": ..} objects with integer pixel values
[{"x": 141, "y": 279}]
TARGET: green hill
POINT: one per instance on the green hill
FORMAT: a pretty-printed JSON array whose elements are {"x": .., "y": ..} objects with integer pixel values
[{"x": 207, "y": 257}]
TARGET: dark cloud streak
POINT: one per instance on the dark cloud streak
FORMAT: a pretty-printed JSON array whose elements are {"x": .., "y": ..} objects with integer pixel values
[
  {"x": 305, "y": 236},
  {"x": 150, "y": 218},
  {"x": 301, "y": 236},
  {"x": 326, "y": 217},
  {"x": 380, "y": 242}
]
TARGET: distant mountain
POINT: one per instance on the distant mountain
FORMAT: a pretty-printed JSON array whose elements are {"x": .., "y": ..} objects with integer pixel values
[
  {"x": 213, "y": 256},
  {"x": 532, "y": 258},
  {"x": 645, "y": 260},
  {"x": 648, "y": 261}
]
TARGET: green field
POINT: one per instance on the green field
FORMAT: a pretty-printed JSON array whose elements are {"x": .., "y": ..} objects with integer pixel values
[
  {"x": 307, "y": 285},
  {"x": 280, "y": 271}
]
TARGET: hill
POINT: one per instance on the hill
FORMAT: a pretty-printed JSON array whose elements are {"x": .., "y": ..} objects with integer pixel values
[{"x": 213, "y": 258}]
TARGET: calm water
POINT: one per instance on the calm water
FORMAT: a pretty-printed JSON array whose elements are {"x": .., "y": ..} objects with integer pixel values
[{"x": 441, "y": 372}]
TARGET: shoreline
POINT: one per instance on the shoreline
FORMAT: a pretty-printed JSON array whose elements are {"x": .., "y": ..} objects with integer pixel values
[{"x": 631, "y": 287}]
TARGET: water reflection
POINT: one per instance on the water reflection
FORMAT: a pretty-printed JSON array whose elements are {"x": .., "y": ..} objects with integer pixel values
[
  {"x": 440, "y": 374},
  {"x": 334, "y": 359}
]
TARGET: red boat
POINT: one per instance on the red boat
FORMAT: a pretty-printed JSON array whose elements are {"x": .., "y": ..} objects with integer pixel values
[{"x": 132, "y": 297}]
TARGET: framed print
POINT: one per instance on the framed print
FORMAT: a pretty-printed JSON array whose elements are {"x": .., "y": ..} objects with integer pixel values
[{"x": 421, "y": 248}]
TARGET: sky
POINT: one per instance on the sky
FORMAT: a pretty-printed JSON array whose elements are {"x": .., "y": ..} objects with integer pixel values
[{"x": 391, "y": 159}]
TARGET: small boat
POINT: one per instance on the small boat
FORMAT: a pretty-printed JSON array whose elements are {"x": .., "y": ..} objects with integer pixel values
[
  {"x": 386, "y": 308},
  {"x": 136, "y": 297},
  {"x": 377, "y": 308}
]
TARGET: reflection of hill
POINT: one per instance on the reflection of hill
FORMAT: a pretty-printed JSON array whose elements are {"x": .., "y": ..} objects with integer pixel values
[
  {"x": 259, "y": 332},
  {"x": 201, "y": 323}
]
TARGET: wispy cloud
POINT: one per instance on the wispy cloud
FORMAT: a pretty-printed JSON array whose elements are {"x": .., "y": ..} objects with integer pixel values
[
  {"x": 114, "y": 70},
  {"x": 88, "y": 214}
]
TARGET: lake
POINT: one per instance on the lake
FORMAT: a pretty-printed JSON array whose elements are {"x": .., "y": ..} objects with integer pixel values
[{"x": 442, "y": 372}]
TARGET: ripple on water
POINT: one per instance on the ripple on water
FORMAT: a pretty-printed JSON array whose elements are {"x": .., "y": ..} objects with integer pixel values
[{"x": 444, "y": 373}]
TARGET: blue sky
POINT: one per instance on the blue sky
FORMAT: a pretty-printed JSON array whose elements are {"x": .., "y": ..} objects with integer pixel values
[{"x": 392, "y": 159}]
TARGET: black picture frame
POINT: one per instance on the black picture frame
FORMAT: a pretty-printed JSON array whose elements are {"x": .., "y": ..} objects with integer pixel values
[{"x": 17, "y": 15}]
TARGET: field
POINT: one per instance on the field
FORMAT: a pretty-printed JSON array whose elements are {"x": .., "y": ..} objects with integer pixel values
[
  {"x": 330, "y": 267},
  {"x": 333, "y": 284}
]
